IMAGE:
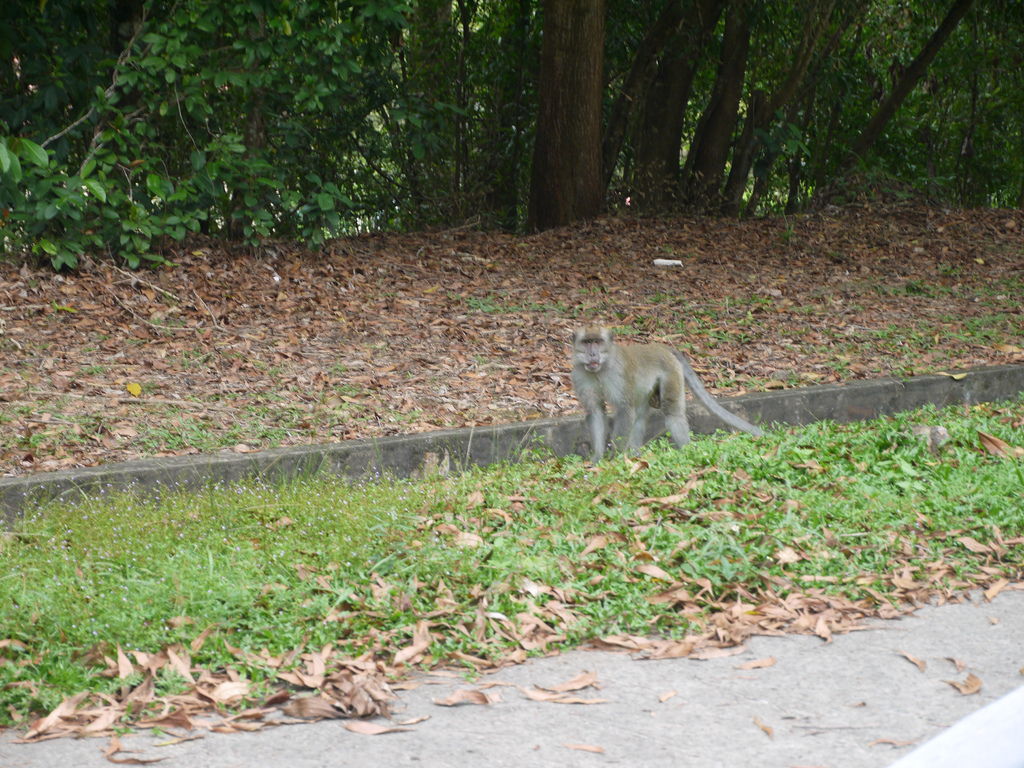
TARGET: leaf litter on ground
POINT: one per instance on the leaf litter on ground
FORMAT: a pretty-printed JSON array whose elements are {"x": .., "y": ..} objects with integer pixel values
[
  {"x": 389, "y": 334},
  {"x": 199, "y": 611}
]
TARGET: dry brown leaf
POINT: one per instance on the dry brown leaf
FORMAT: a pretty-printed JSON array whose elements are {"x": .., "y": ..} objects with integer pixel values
[
  {"x": 468, "y": 540},
  {"x": 891, "y": 743},
  {"x": 104, "y": 720},
  {"x": 114, "y": 747},
  {"x": 367, "y": 728},
  {"x": 650, "y": 569},
  {"x": 414, "y": 720},
  {"x": 475, "y": 499},
  {"x": 464, "y": 696},
  {"x": 44, "y": 725},
  {"x": 124, "y": 665},
  {"x": 666, "y": 696},
  {"x": 197, "y": 642},
  {"x": 312, "y": 708},
  {"x": 582, "y": 680},
  {"x": 769, "y": 661},
  {"x": 598, "y": 541},
  {"x": 585, "y": 748},
  {"x": 971, "y": 684},
  {"x": 919, "y": 663},
  {"x": 229, "y": 692},
  {"x": 995, "y": 589},
  {"x": 180, "y": 663},
  {"x": 960, "y": 665},
  {"x": 706, "y": 654},
  {"x": 553, "y": 697},
  {"x": 787, "y": 556},
  {"x": 622, "y": 642},
  {"x": 998, "y": 447},
  {"x": 766, "y": 728},
  {"x": 421, "y": 640},
  {"x": 974, "y": 545},
  {"x": 672, "y": 649}
]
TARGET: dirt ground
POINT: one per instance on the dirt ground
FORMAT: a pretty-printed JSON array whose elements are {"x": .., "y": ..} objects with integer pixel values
[{"x": 386, "y": 334}]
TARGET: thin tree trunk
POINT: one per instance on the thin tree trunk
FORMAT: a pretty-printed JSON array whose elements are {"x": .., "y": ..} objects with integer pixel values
[
  {"x": 658, "y": 133},
  {"x": 706, "y": 162},
  {"x": 906, "y": 83},
  {"x": 641, "y": 73},
  {"x": 762, "y": 111}
]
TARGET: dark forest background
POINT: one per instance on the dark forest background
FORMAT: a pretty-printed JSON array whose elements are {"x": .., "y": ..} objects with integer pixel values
[{"x": 126, "y": 124}]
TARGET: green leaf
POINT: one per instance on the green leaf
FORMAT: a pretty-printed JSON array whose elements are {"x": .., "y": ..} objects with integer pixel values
[
  {"x": 96, "y": 188},
  {"x": 5, "y": 157},
  {"x": 33, "y": 152}
]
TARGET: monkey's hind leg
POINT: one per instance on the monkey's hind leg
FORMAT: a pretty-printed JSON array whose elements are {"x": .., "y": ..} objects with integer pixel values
[{"x": 675, "y": 420}]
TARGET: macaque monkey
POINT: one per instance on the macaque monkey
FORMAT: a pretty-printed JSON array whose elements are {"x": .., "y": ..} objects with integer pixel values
[{"x": 635, "y": 378}]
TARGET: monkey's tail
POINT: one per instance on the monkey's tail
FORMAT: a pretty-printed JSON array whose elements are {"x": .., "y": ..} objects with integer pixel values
[{"x": 697, "y": 386}]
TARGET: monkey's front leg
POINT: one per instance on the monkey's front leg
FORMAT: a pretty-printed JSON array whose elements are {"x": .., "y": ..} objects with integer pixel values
[
  {"x": 597, "y": 427},
  {"x": 622, "y": 428}
]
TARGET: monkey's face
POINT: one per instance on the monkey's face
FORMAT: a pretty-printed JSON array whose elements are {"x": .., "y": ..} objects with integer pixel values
[{"x": 590, "y": 348}]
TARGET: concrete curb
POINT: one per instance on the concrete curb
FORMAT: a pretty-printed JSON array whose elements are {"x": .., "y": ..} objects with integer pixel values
[{"x": 406, "y": 455}]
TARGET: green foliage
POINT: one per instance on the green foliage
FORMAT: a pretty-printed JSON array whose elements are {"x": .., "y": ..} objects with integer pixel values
[
  {"x": 127, "y": 127},
  {"x": 200, "y": 126},
  {"x": 318, "y": 561}
]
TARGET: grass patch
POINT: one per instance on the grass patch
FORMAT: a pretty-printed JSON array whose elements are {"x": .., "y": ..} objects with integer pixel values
[{"x": 861, "y": 512}]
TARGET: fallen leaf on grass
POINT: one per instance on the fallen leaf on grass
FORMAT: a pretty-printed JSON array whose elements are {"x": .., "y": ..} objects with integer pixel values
[
  {"x": 372, "y": 729},
  {"x": 464, "y": 696},
  {"x": 974, "y": 545},
  {"x": 124, "y": 665},
  {"x": 788, "y": 555},
  {"x": 919, "y": 663},
  {"x": 585, "y": 748},
  {"x": 998, "y": 447},
  {"x": 650, "y": 569},
  {"x": 758, "y": 663},
  {"x": 420, "y": 643},
  {"x": 971, "y": 684}
]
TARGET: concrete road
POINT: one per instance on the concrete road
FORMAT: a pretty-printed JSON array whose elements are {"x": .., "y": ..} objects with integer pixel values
[{"x": 853, "y": 703}]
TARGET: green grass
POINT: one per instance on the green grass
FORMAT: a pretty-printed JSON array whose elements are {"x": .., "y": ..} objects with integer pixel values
[{"x": 318, "y": 561}]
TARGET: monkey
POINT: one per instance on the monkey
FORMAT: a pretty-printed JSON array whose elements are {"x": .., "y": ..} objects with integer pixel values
[{"x": 635, "y": 378}]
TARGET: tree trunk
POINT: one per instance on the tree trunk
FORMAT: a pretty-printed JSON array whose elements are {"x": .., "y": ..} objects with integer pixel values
[
  {"x": 641, "y": 73},
  {"x": 510, "y": 113},
  {"x": 705, "y": 165},
  {"x": 762, "y": 110},
  {"x": 658, "y": 133},
  {"x": 906, "y": 83},
  {"x": 566, "y": 182}
]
